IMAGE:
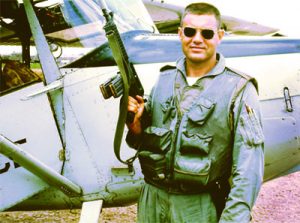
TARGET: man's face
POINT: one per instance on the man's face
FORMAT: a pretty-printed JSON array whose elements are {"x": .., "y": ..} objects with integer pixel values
[{"x": 197, "y": 48}]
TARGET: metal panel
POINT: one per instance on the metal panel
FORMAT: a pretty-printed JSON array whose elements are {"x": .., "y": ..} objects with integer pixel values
[
  {"x": 31, "y": 123},
  {"x": 90, "y": 126}
]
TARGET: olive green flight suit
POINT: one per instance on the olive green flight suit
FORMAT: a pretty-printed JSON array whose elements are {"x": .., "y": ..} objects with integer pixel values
[{"x": 245, "y": 159}]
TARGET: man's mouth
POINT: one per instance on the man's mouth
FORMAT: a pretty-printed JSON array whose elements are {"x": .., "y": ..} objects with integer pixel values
[{"x": 197, "y": 48}]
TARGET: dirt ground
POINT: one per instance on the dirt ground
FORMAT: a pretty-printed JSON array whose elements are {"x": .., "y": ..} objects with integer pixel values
[{"x": 278, "y": 202}]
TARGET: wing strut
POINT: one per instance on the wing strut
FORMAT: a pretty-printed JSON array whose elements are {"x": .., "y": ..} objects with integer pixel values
[
  {"x": 50, "y": 69},
  {"x": 26, "y": 160}
]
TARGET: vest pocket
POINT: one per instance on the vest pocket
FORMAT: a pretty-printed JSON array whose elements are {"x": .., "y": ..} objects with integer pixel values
[
  {"x": 200, "y": 113},
  {"x": 153, "y": 165},
  {"x": 156, "y": 139},
  {"x": 195, "y": 143},
  {"x": 191, "y": 169}
]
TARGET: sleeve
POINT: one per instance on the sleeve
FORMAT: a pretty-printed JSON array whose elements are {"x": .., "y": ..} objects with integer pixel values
[{"x": 248, "y": 158}]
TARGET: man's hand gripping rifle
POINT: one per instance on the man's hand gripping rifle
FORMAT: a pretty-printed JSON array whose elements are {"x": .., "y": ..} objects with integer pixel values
[{"x": 126, "y": 82}]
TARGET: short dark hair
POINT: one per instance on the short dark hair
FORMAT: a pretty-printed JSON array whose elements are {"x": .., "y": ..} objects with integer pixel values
[{"x": 202, "y": 8}]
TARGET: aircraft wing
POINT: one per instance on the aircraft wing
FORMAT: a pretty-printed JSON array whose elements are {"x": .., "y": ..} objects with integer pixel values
[
  {"x": 238, "y": 26},
  {"x": 166, "y": 17}
]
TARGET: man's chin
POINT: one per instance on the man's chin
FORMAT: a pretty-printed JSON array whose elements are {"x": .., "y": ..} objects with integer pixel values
[{"x": 197, "y": 59}]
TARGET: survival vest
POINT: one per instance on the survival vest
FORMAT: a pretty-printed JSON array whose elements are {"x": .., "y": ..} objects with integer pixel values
[{"x": 197, "y": 145}]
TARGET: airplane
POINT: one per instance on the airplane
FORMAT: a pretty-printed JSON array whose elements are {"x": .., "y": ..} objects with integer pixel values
[
  {"x": 56, "y": 135},
  {"x": 62, "y": 28}
]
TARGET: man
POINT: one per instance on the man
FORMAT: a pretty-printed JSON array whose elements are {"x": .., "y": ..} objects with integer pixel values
[{"x": 199, "y": 136}]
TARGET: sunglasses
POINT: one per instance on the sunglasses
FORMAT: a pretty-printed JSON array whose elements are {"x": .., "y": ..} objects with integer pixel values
[{"x": 206, "y": 33}]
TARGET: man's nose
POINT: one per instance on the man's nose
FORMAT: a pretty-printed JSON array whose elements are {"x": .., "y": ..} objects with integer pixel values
[{"x": 198, "y": 37}]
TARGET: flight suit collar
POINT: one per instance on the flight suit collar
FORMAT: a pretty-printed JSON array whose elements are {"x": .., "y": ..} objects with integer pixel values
[{"x": 218, "y": 69}]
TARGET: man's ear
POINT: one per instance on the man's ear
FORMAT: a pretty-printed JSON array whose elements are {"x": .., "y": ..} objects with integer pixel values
[
  {"x": 221, "y": 34},
  {"x": 180, "y": 34}
]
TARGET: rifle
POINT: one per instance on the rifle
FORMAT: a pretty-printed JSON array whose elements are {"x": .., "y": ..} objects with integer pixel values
[{"x": 126, "y": 82}]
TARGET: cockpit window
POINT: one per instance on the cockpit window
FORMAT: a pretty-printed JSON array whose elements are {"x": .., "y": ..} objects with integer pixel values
[
  {"x": 75, "y": 27},
  {"x": 86, "y": 21}
]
